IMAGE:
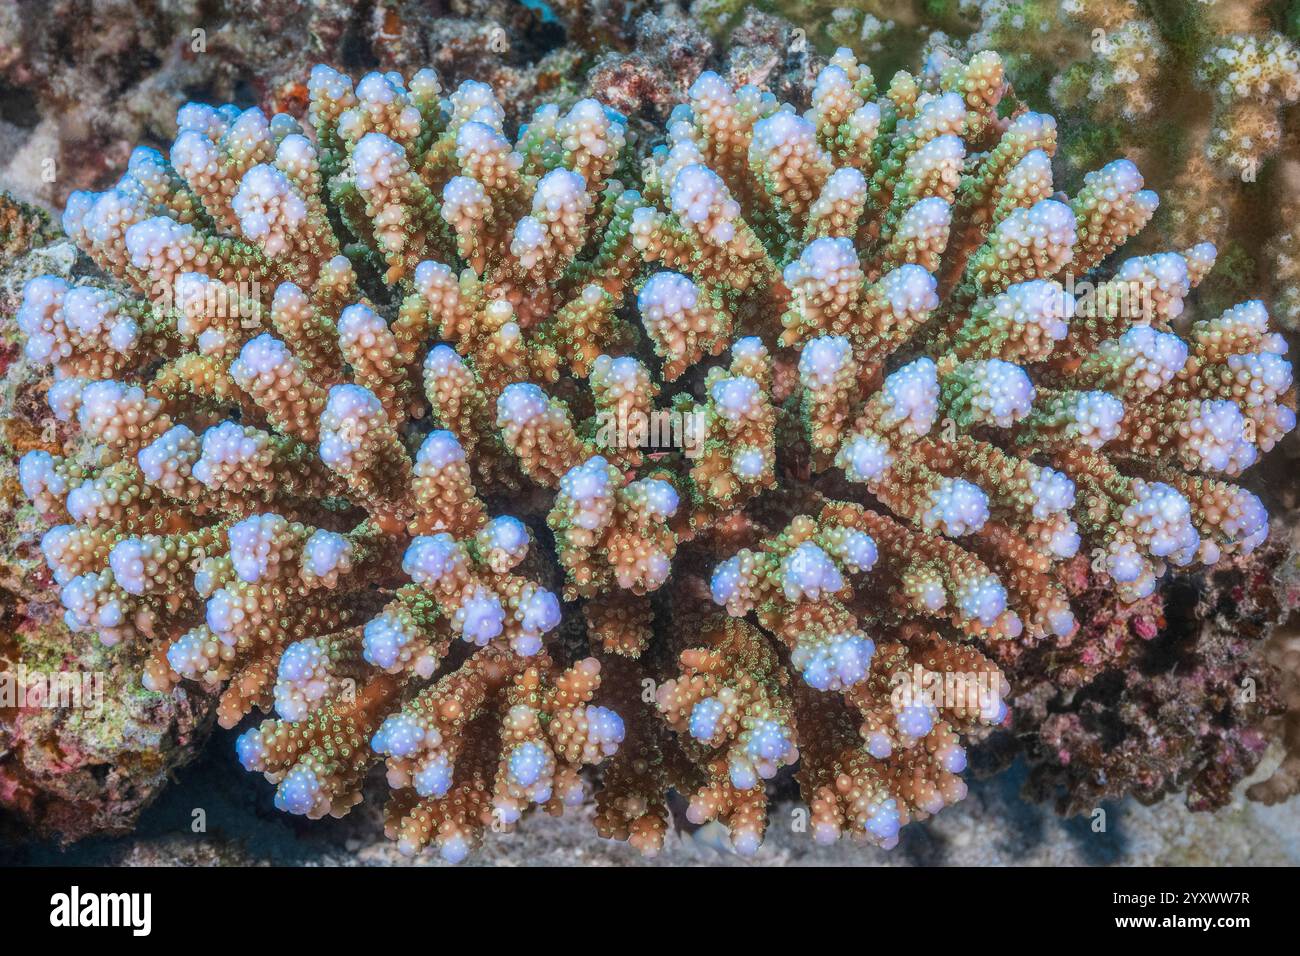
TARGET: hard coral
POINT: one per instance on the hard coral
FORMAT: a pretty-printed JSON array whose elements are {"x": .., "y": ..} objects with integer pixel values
[
  {"x": 1200, "y": 95},
  {"x": 84, "y": 748},
  {"x": 84, "y": 80},
  {"x": 361, "y": 340}
]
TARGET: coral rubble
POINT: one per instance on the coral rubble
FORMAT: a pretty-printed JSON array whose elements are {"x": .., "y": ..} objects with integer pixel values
[
  {"x": 493, "y": 458},
  {"x": 1168, "y": 694},
  {"x": 1284, "y": 653}
]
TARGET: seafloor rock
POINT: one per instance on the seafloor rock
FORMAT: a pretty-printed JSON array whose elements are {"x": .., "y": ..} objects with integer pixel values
[
  {"x": 1283, "y": 652},
  {"x": 1169, "y": 694}
]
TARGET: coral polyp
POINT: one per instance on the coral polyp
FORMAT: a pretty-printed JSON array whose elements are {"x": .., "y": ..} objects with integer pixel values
[{"x": 539, "y": 467}]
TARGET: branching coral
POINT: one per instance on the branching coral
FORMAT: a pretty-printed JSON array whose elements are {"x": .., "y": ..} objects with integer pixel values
[
  {"x": 1199, "y": 95},
  {"x": 97, "y": 76},
  {"x": 892, "y": 421}
]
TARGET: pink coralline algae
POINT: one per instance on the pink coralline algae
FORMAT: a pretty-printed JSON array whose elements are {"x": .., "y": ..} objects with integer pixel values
[
  {"x": 1167, "y": 694},
  {"x": 908, "y": 384}
]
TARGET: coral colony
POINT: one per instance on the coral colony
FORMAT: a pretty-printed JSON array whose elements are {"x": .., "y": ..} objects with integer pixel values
[
  {"x": 362, "y": 344},
  {"x": 1200, "y": 95}
]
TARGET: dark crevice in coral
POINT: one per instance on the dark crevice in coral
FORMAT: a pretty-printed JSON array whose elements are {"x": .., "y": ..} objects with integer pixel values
[
  {"x": 1097, "y": 706},
  {"x": 18, "y": 105},
  {"x": 144, "y": 63},
  {"x": 244, "y": 95},
  {"x": 541, "y": 37},
  {"x": 1163, "y": 652},
  {"x": 357, "y": 52}
]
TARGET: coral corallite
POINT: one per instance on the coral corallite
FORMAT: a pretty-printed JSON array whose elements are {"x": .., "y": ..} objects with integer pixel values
[{"x": 326, "y": 360}]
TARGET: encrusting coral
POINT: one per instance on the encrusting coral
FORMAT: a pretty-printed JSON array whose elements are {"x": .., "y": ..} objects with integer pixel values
[{"x": 893, "y": 420}]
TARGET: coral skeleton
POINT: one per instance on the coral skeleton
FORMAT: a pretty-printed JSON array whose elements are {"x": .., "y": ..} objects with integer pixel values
[{"x": 342, "y": 448}]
